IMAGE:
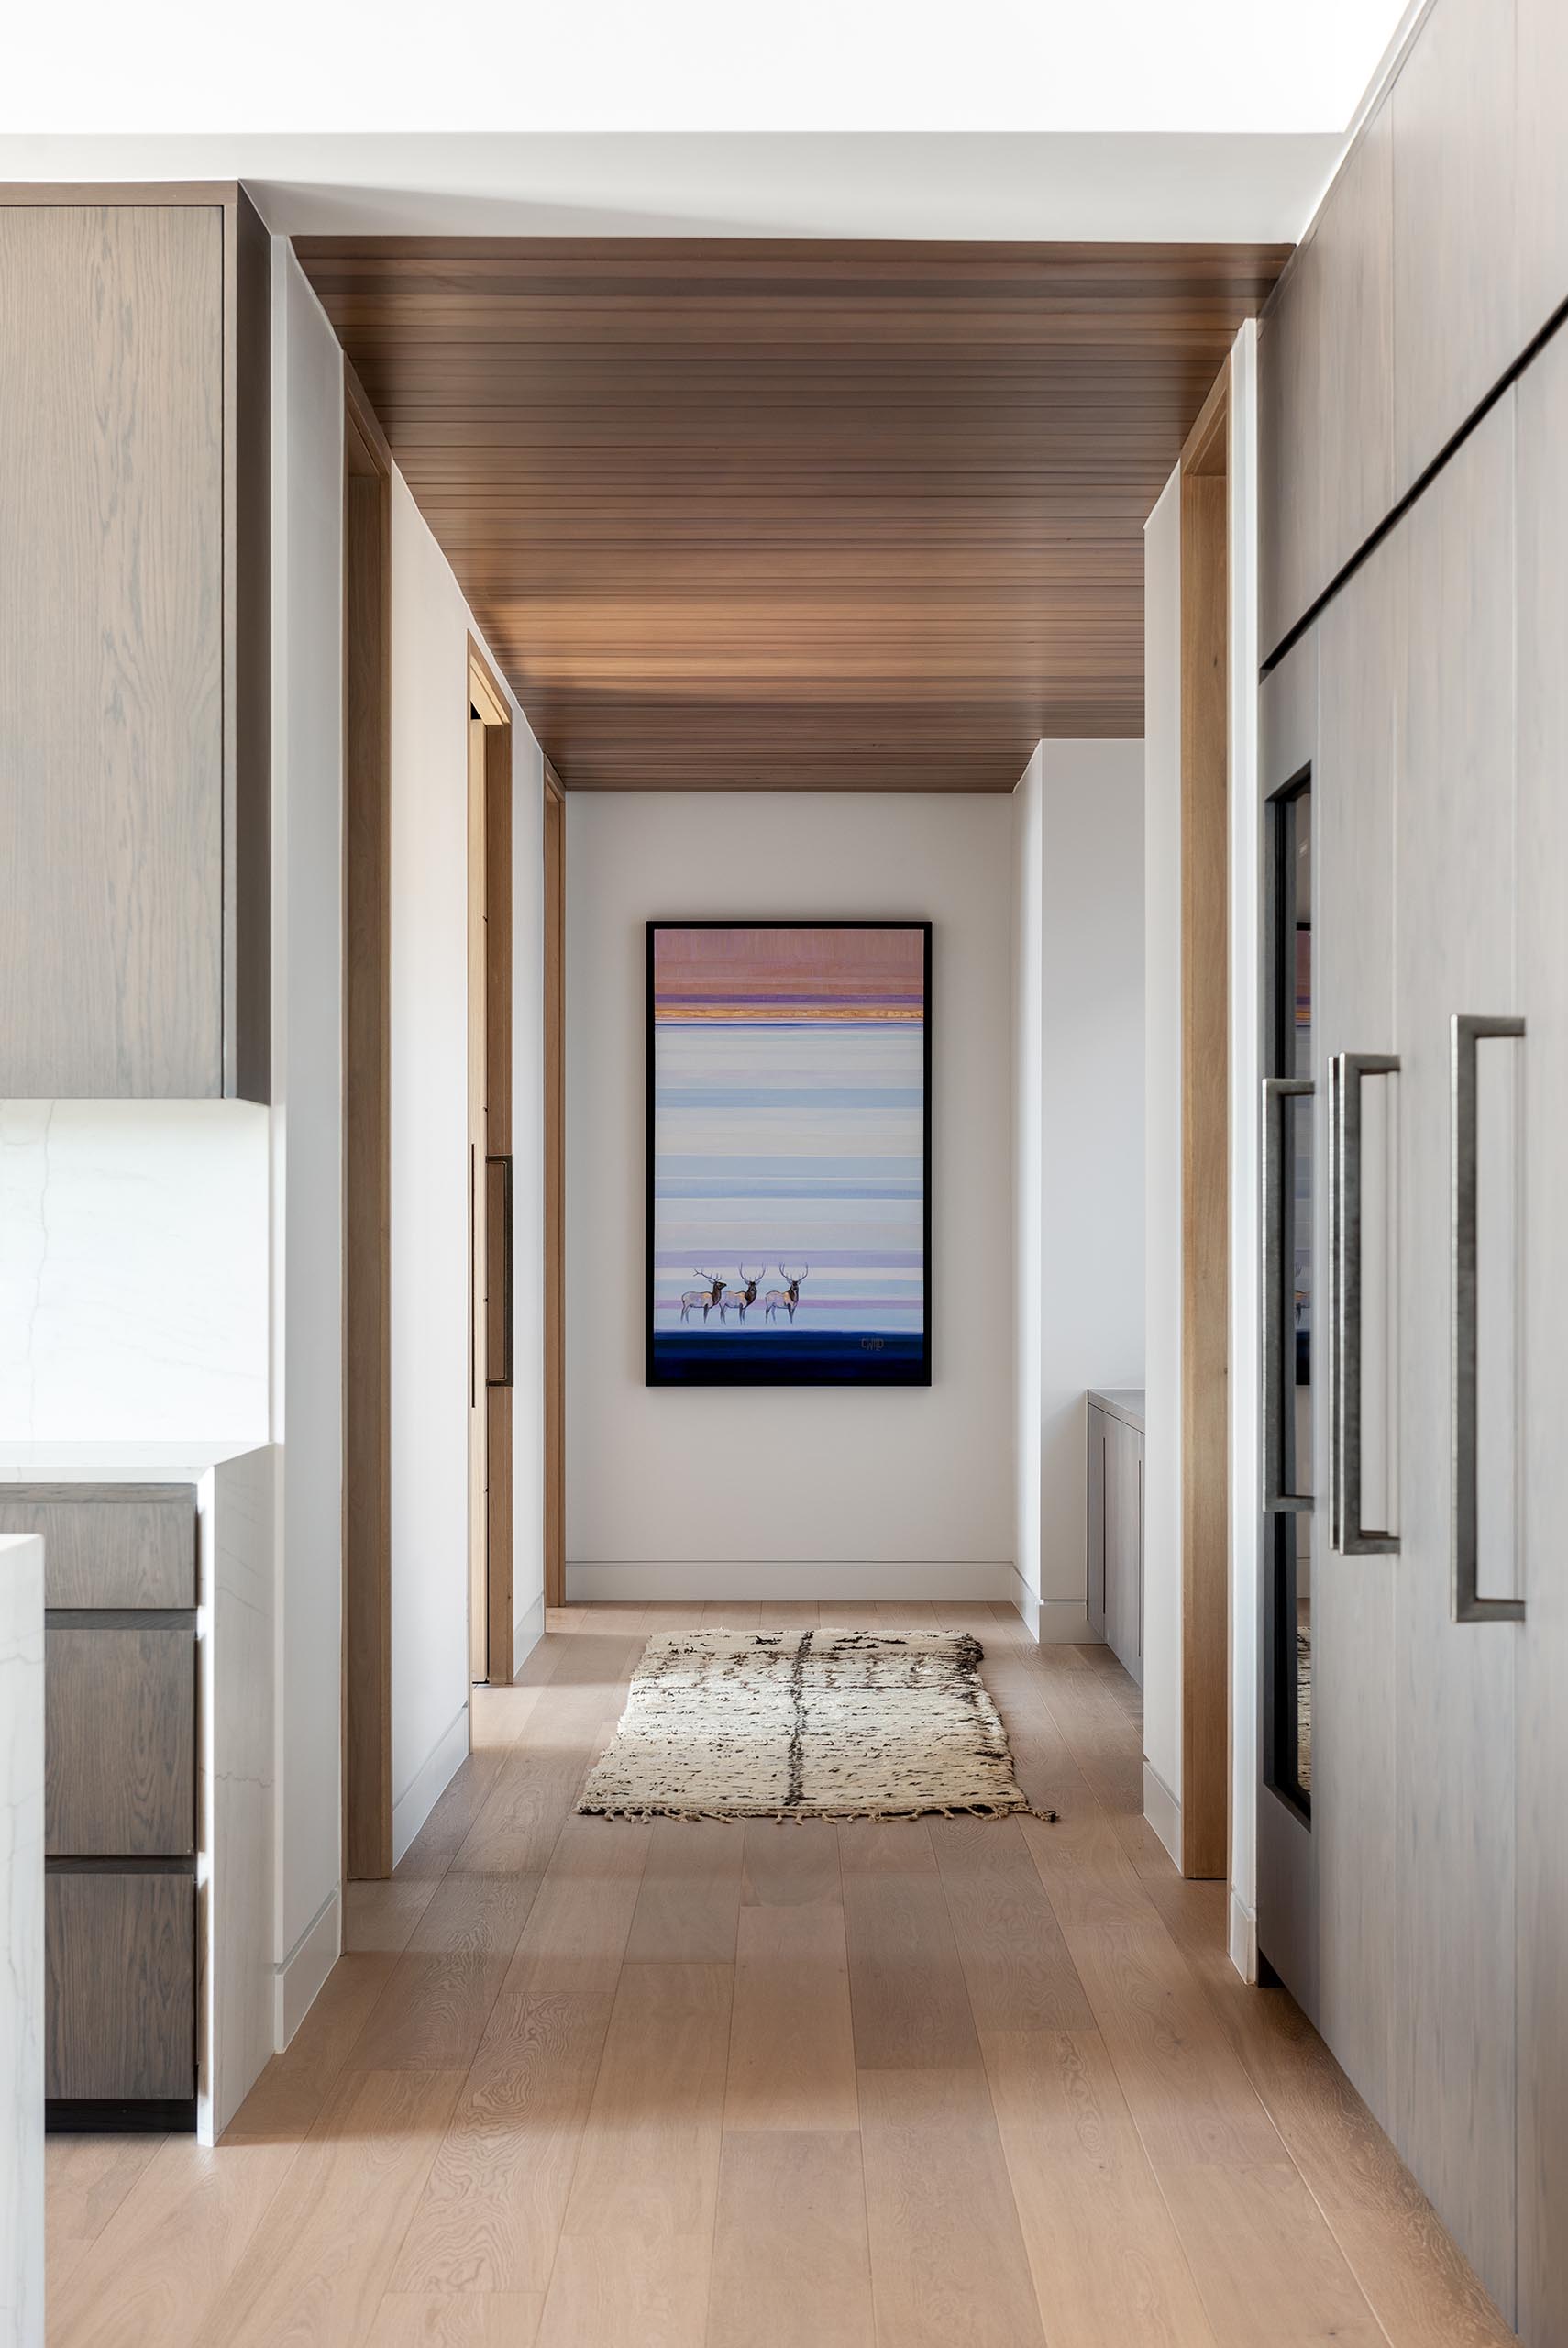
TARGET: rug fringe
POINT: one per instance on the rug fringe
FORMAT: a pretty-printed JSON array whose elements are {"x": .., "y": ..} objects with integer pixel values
[{"x": 646, "y": 1817}]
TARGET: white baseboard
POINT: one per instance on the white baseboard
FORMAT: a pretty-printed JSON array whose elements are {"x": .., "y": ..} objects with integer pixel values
[
  {"x": 528, "y": 1631},
  {"x": 1161, "y": 1809},
  {"x": 1027, "y": 1601},
  {"x": 431, "y": 1781},
  {"x": 298, "y": 1980},
  {"x": 982, "y": 1582},
  {"x": 1064, "y": 1621},
  {"x": 1244, "y": 1939}
]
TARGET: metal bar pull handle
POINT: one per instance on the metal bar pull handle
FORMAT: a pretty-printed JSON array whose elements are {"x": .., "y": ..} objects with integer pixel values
[
  {"x": 498, "y": 1315},
  {"x": 1348, "y": 1534},
  {"x": 1469, "y": 1606},
  {"x": 1277, "y": 1092}
]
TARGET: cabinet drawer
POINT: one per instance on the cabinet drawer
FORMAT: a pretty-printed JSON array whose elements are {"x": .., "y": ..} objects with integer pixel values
[
  {"x": 121, "y": 1956},
  {"x": 110, "y": 1545},
  {"x": 120, "y": 1737}
]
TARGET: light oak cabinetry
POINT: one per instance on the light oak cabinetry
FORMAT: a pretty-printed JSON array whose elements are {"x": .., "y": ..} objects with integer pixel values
[
  {"x": 1439, "y": 253},
  {"x": 1414, "y": 1891},
  {"x": 134, "y": 685},
  {"x": 1116, "y": 1525}
]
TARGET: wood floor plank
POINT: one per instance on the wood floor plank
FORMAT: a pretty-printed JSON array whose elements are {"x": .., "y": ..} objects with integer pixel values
[
  {"x": 474, "y": 2320},
  {"x": 789, "y": 1614},
  {"x": 159, "y": 2267},
  {"x": 577, "y": 1930},
  {"x": 447, "y": 1828},
  {"x": 791, "y": 2055},
  {"x": 947, "y": 2255},
  {"x": 633, "y": 2293},
  {"x": 491, "y": 2213},
  {"x": 886, "y": 1846},
  {"x": 907, "y": 1989},
  {"x": 689, "y": 1898},
  {"x": 789, "y": 1861},
  {"x": 85, "y": 2179},
  {"x": 383, "y": 1915},
  {"x": 1104, "y": 2251},
  {"x": 776, "y": 2194},
  {"x": 1183, "y": 2080},
  {"x": 1087, "y": 1875},
  {"x": 431, "y": 2014},
  {"x": 635, "y": 2252},
  {"x": 1265, "y": 2265},
  {"x": 316, "y": 2277},
  {"x": 285, "y": 2102},
  {"x": 1016, "y": 1965}
]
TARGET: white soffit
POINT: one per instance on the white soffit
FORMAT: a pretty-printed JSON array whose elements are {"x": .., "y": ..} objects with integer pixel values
[{"x": 1192, "y": 187}]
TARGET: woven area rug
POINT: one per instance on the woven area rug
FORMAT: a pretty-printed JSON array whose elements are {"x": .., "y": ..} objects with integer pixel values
[{"x": 819, "y": 1724}]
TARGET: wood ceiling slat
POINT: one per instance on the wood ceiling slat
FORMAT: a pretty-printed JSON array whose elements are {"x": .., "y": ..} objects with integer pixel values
[{"x": 748, "y": 513}]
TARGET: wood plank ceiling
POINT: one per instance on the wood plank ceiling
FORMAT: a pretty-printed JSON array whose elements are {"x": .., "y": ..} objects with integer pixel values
[{"x": 771, "y": 514}]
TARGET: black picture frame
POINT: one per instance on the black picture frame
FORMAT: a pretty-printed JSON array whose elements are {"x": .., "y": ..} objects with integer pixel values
[{"x": 777, "y": 1368}]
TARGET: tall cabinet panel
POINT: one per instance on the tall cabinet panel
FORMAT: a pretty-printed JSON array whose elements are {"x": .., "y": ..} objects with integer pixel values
[
  {"x": 133, "y": 670},
  {"x": 1362, "y": 637},
  {"x": 1543, "y": 1647},
  {"x": 1456, "y": 295},
  {"x": 1455, "y": 1689}
]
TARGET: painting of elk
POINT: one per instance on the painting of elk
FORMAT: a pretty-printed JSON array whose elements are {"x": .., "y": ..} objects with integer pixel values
[
  {"x": 741, "y": 1298},
  {"x": 705, "y": 1297},
  {"x": 786, "y": 1102},
  {"x": 785, "y": 1299}
]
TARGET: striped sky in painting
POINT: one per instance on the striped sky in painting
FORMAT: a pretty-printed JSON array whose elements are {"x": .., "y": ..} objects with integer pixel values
[{"x": 789, "y": 1124}]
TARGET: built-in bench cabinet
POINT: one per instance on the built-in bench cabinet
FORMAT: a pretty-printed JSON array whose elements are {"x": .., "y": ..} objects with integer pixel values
[
  {"x": 1116, "y": 1523},
  {"x": 120, "y": 1721},
  {"x": 134, "y": 677}
]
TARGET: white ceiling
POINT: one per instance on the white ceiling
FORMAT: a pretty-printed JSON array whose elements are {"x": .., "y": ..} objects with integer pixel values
[{"x": 1192, "y": 187}]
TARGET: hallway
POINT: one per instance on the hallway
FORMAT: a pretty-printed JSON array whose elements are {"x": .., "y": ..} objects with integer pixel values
[{"x": 951, "y": 2081}]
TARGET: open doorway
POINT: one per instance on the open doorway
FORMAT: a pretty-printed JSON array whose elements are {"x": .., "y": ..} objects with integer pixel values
[
  {"x": 491, "y": 1221},
  {"x": 1205, "y": 1153}
]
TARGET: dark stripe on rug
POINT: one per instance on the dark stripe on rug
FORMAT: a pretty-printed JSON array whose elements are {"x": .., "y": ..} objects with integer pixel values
[{"x": 795, "y": 1790}]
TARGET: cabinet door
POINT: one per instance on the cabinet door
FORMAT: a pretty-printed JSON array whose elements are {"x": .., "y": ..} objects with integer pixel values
[
  {"x": 120, "y": 1736},
  {"x": 1456, "y": 298},
  {"x": 1099, "y": 1476},
  {"x": 120, "y": 1955},
  {"x": 1349, "y": 1629},
  {"x": 1455, "y": 824},
  {"x": 1542, "y": 1895},
  {"x": 111, "y": 651},
  {"x": 125, "y": 1544}
]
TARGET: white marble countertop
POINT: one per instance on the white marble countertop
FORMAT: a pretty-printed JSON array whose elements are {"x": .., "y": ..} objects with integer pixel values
[
  {"x": 128, "y": 1463},
  {"x": 1122, "y": 1401}
]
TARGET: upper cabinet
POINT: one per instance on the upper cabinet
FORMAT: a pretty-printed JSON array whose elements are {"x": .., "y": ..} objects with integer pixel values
[
  {"x": 134, "y": 675},
  {"x": 1457, "y": 268},
  {"x": 1439, "y": 253},
  {"x": 1325, "y": 365}
]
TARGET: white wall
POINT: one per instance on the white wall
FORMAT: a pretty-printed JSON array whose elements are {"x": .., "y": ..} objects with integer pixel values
[
  {"x": 827, "y": 1492},
  {"x": 133, "y": 1270},
  {"x": 1028, "y": 1179},
  {"x": 1246, "y": 1070},
  {"x": 307, "y": 1129},
  {"x": 429, "y": 1117},
  {"x": 1081, "y": 853},
  {"x": 1161, "y": 1161},
  {"x": 528, "y": 1190}
]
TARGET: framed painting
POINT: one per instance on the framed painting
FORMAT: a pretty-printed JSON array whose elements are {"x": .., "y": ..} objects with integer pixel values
[{"x": 788, "y": 1153}]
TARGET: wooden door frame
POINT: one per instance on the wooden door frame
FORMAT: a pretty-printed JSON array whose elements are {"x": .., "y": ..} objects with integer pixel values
[
  {"x": 366, "y": 1151},
  {"x": 492, "y": 1237},
  {"x": 1205, "y": 1153},
  {"x": 555, "y": 1187}
]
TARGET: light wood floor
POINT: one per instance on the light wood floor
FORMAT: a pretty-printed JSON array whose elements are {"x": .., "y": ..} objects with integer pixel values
[{"x": 944, "y": 2085}]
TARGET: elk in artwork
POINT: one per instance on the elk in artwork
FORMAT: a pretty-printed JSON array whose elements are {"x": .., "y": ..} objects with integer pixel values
[
  {"x": 705, "y": 1297},
  {"x": 785, "y": 1299}
]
